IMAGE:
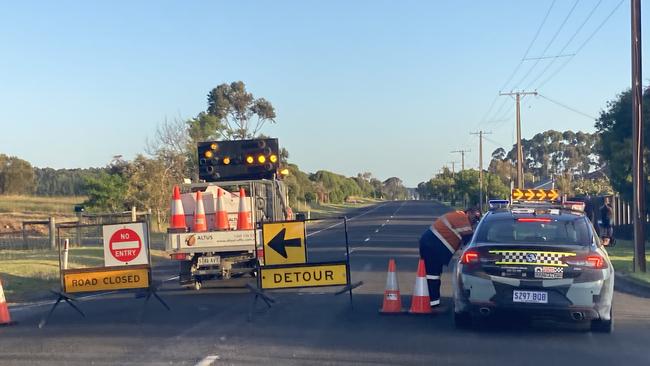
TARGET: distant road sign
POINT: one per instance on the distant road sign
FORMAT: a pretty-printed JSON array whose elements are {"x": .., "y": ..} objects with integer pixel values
[
  {"x": 284, "y": 242},
  {"x": 307, "y": 275},
  {"x": 105, "y": 279},
  {"x": 125, "y": 244}
]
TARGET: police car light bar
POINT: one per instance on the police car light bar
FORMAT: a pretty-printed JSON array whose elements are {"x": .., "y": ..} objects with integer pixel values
[
  {"x": 494, "y": 204},
  {"x": 574, "y": 206}
]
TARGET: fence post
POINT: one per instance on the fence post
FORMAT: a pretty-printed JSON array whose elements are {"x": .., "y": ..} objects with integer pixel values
[
  {"x": 134, "y": 214},
  {"x": 25, "y": 245},
  {"x": 52, "y": 232}
]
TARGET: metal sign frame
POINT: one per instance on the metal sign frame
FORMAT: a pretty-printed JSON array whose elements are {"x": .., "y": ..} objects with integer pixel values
[
  {"x": 149, "y": 291},
  {"x": 260, "y": 292}
]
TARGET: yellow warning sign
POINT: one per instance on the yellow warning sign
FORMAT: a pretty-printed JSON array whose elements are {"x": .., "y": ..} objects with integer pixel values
[
  {"x": 104, "y": 279},
  {"x": 284, "y": 242},
  {"x": 312, "y": 275},
  {"x": 535, "y": 194}
]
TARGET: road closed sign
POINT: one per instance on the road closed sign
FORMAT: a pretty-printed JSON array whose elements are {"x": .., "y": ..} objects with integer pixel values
[{"x": 125, "y": 244}]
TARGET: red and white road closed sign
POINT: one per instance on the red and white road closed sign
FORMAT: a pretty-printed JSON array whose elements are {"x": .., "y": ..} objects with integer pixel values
[{"x": 125, "y": 244}]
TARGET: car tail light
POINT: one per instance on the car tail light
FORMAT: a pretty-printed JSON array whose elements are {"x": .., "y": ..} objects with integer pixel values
[
  {"x": 260, "y": 253},
  {"x": 534, "y": 219},
  {"x": 179, "y": 256},
  {"x": 595, "y": 261},
  {"x": 469, "y": 257}
]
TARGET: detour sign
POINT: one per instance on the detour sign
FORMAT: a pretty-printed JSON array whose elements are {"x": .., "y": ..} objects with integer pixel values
[{"x": 309, "y": 275}]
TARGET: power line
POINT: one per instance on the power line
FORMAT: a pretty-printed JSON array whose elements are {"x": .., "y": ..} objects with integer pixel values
[
  {"x": 549, "y": 43},
  {"x": 567, "y": 107},
  {"x": 530, "y": 45},
  {"x": 548, "y": 65},
  {"x": 582, "y": 45}
]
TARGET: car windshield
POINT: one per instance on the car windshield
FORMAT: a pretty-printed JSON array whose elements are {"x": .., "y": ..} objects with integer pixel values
[{"x": 509, "y": 230}]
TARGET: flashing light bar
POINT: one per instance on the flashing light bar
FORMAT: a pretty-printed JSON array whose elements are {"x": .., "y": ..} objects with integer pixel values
[{"x": 498, "y": 203}]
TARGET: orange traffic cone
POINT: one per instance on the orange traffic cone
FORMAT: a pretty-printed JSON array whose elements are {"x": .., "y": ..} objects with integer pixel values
[
  {"x": 221, "y": 217},
  {"x": 420, "y": 302},
  {"x": 177, "y": 220},
  {"x": 200, "y": 224},
  {"x": 392, "y": 297},
  {"x": 5, "y": 319},
  {"x": 244, "y": 215}
]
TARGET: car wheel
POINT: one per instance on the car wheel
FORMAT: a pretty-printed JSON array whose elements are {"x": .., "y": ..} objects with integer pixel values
[
  {"x": 463, "y": 320},
  {"x": 603, "y": 326}
]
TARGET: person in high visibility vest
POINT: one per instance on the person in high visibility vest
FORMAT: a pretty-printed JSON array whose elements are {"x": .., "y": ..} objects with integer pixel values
[{"x": 441, "y": 240}]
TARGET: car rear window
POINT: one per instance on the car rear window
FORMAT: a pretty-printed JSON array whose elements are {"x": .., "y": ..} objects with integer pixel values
[{"x": 507, "y": 230}]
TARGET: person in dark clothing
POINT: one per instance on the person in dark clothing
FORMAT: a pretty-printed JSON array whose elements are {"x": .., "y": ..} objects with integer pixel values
[{"x": 606, "y": 232}]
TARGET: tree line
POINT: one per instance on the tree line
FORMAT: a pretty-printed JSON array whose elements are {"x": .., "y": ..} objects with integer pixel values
[{"x": 170, "y": 156}]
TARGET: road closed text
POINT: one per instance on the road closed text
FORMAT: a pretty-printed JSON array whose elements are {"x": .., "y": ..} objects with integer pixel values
[
  {"x": 304, "y": 276},
  {"x": 106, "y": 280}
]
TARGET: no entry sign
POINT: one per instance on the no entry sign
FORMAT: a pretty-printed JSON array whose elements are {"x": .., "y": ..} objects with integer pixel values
[{"x": 125, "y": 244}]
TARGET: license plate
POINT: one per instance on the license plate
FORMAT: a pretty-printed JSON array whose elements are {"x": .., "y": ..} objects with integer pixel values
[
  {"x": 209, "y": 261},
  {"x": 534, "y": 297}
]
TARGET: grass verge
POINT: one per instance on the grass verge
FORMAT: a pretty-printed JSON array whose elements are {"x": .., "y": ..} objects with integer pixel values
[
  {"x": 622, "y": 256},
  {"x": 40, "y": 204},
  {"x": 29, "y": 274}
]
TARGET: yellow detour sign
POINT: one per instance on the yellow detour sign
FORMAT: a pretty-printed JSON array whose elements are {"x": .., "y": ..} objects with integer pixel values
[
  {"x": 308, "y": 275},
  {"x": 284, "y": 242},
  {"x": 105, "y": 279},
  {"x": 535, "y": 194}
]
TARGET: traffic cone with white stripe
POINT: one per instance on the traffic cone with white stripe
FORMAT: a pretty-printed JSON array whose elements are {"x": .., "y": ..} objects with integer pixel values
[
  {"x": 392, "y": 297},
  {"x": 420, "y": 302},
  {"x": 5, "y": 318},
  {"x": 221, "y": 216},
  {"x": 199, "y": 224},
  {"x": 177, "y": 220},
  {"x": 244, "y": 215}
]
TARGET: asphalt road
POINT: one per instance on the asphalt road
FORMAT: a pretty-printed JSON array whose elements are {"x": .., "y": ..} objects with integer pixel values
[{"x": 313, "y": 326}]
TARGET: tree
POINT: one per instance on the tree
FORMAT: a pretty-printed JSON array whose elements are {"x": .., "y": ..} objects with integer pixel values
[
  {"x": 236, "y": 107},
  {"x": 16, "y": 176},
  {"x": 615, "y": 128},
  {"x": 148, "y": 186},
  {"x": 394, "y": 189},
  {"x": 107, "y": 192}
]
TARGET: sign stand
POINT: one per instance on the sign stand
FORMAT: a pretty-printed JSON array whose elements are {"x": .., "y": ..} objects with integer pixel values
[
  {"x": 61, "y": 296},
  {"x": 330, "y": 272},
  {"x": 151, "y": 291}
]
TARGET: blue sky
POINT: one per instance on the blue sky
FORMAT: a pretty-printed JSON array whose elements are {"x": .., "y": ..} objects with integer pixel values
[{"x": 389, "y": 87}]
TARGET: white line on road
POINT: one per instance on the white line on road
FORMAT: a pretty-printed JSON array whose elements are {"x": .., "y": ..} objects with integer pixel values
[
  {"x": 366, "y": 239},
  {"x": 341, "y": 223},
  {"x": 171, "y": 279},
  {"x": 376, "y": 230},
  {"x": 50, "y": 302},
  {"x": 207, "y": 360}
]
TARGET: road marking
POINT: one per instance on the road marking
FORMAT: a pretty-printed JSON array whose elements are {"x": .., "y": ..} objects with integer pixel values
[
  {"x": 171, "y": 279},
  {"x": 384, "y": 224},
  {"x": 366, "y": 239},
  {"x": 207, "y": 360},
  {"x": 341, "y": 223},
  {"x": 376, "y": 230},
  {"x": 50, "y": 302}
]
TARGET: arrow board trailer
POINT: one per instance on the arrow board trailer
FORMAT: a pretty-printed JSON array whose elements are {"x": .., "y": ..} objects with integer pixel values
[{"x": 222, "y": 255}]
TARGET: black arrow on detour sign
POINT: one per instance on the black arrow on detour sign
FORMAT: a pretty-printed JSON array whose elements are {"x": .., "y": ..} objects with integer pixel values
[{"x": 280, "y": 244}]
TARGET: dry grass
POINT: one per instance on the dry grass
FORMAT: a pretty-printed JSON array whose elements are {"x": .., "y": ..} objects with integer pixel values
[{"x": 39, "y": 204}]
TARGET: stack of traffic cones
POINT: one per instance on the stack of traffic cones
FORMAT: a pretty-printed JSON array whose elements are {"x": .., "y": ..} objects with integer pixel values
[
  {"x": 5, "y": 318},
  {"x": 177, "y": 220},
  {"x": 221, "y": 216},
  {"x": 200, "y": 224},
  {"x": 392, "y": 297},
  {"x": 244, "y": 215},
  {"x": 420, "y": 302}
]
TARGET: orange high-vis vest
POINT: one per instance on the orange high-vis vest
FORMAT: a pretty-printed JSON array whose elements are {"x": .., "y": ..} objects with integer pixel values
[{"x": 450, "y": 228}]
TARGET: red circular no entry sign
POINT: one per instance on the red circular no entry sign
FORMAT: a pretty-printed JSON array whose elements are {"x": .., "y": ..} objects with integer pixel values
[{"x": 125, "y": 245}]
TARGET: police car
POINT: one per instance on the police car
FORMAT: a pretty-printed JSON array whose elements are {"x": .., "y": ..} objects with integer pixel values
[{"x": 541, "y": 259}]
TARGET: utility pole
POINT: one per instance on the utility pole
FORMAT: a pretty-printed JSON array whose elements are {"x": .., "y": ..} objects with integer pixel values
[
  {"x": 638, "y": 179},
  {"x": 462, "y": 157},
  {"x": 480, "y": 166},
  {"x": 453, "y": 167},
  {"x": 520, "y": 152}
]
